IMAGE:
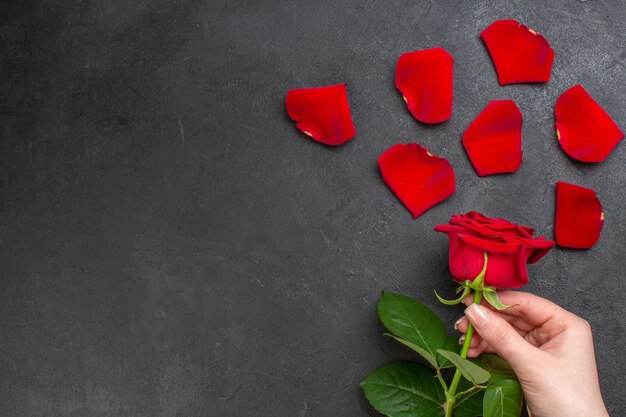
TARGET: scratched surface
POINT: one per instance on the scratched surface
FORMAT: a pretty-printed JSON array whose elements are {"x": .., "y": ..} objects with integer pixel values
[{"x": 170, "y": 244}]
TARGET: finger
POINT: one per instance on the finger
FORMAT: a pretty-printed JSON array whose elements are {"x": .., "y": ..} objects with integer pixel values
[
  {"x": 480, "y": 350},
  {"x": 477, "y": 351},
  {"x": 461, "y": 324},
  {"x": 533, "y": 309},
  {"x": 518, "y": 322},
  {"x": 478, "y": 341},
  {"x": 483, "y": 347},
  {"x": 501, "y": 336},
  {"x": 474, "y": 343}
]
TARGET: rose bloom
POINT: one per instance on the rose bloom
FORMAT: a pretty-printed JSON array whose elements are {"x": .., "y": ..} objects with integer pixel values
[{"x": 509, "y": 248}]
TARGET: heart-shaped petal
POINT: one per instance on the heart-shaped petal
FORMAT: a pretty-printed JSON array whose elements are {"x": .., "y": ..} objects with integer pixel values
[
  {"x": 494, "y": 139},
  {"x": 425, "y": 79},
  {"x": 579, "y": 216},
  {"x": 519, "y": 54},
  {"x": 584, "y": 129},
  {"x": 323, "y": 113},
  {"x": 418, "y": 178}
]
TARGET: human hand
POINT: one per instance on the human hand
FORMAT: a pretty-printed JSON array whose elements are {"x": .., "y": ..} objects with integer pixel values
[{"x": 550, "y": 349}]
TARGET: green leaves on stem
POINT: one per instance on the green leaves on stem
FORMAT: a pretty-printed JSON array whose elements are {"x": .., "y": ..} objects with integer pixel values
[
  {"x": 469, "y": 402},
  {"x": 404, "y": 389},
  {"x": 423, "y": 352},
  {"x": 503, "y": 399},
  {"x": 498, "y": 368},
  {"x": 470, "y": 371},
  {"x": 488, "y": 386},
  {"x": 412, "y": 321}
]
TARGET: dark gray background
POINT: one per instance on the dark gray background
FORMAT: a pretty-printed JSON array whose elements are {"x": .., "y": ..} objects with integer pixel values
[{"x": 171, "y": 245}]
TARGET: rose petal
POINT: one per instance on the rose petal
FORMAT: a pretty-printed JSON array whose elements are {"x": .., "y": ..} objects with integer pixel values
[
  {"x": 519, "y": 54},
  {"x": 486, "y": 225},
  {"x": 579, "y": 217},
  {"x": 506, "y": 266},
  {"x": 322, "y": 113},
  {"x": 492, "y": 222},
  {"x": 425, "y": 79},
  {"x": 418, "y": 178},
  {"x": 584, "y": 129},
  {"x": 490, "y": 246},
  {"x": 536, "y": 248},
  {"x": 493, "y": 141}
]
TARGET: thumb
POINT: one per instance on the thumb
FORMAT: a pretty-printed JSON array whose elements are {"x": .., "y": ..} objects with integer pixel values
[{"x": 501, "y": 336}]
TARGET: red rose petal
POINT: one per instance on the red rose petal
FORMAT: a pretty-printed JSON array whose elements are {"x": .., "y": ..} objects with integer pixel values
[
  {"x": 425, "y": 79},
  {"x": 579, "y": 216},
  {"x": 494, "y": 139},
  {"x": 505, "y": 260},
  {"x": 418, "y": 178},
  {"x": 584, "y": 129},
  {"x": 493, "y": 222},
  {"x": 322, "y": 113},
  {"x": 499, "y": 231},
  {"x": 519, "y": 54}
]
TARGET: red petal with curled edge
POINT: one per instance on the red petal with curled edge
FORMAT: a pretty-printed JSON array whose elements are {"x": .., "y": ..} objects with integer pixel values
[
  {"x": 519, "y": 54},
  {"x": 584, "y": 129},
  {"x": 418, "y": 178},
  {"x": 494, "y": 139},
  {"x": 425, "y": 79},
  {"x": 322, "y": 113},
  {"x": 579, "y": 216}
]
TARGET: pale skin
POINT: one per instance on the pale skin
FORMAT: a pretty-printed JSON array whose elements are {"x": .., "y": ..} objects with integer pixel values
[{"x": 550, "y": 349}]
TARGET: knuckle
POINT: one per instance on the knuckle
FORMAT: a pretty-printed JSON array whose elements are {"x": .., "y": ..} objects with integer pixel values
[
  {"x": 500, "y": 336},
  {"x": 584, "y": 326}
]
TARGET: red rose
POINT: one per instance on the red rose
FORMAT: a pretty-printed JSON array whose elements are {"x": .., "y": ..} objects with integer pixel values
[{"x": 509, "y": 248}]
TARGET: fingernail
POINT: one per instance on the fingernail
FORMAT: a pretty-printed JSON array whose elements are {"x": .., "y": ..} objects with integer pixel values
[
  {"x": 477, "y": 315},
  {"x": 456, "y": 323},
  {"x": 461, "y": 340}
]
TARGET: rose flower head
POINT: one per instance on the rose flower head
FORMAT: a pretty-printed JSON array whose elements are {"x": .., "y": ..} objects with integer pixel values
[{"x": 508, "y": 246}]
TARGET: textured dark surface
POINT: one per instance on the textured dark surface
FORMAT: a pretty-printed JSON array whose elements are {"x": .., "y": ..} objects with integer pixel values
[{"x": 170, "y": 244}]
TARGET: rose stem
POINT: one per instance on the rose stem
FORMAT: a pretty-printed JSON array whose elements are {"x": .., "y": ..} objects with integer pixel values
[{"x": 450, "y": 400}]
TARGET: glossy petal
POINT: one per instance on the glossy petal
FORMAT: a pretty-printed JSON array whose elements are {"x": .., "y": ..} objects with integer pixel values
[
  {"x": 495, "y": 222},
  {"x": 519, "y": 54},
  {"x": 495, "y": 229},
  {"x": 322, "y": 113},
  {"x": 425, "y": 79},
  {"x": 494, "y": 139},
  {"x": 579, "y": 216},
  {"x": 506, "y": 267},
  {"x": 584, "y": 129},
  {"x": 418, "y": 178}
]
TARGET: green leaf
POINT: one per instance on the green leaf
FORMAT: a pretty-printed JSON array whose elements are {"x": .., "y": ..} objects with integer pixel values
[
  {"x": 503, "y": 399},
  {"x": 469, "y": 370},
  {"x": 450, "y": 344},
  {"x": 496, "y": 366},
  {"x": 425, "y": 354},
  {"x": 470, "y": 404},
  {"x": 492, "y": 298},
  {"x": 412, "y": 321},
  {"x": 405, "y": 389}
]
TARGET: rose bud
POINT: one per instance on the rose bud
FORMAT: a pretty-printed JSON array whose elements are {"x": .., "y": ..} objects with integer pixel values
[{"x": 509, "y": 247}]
